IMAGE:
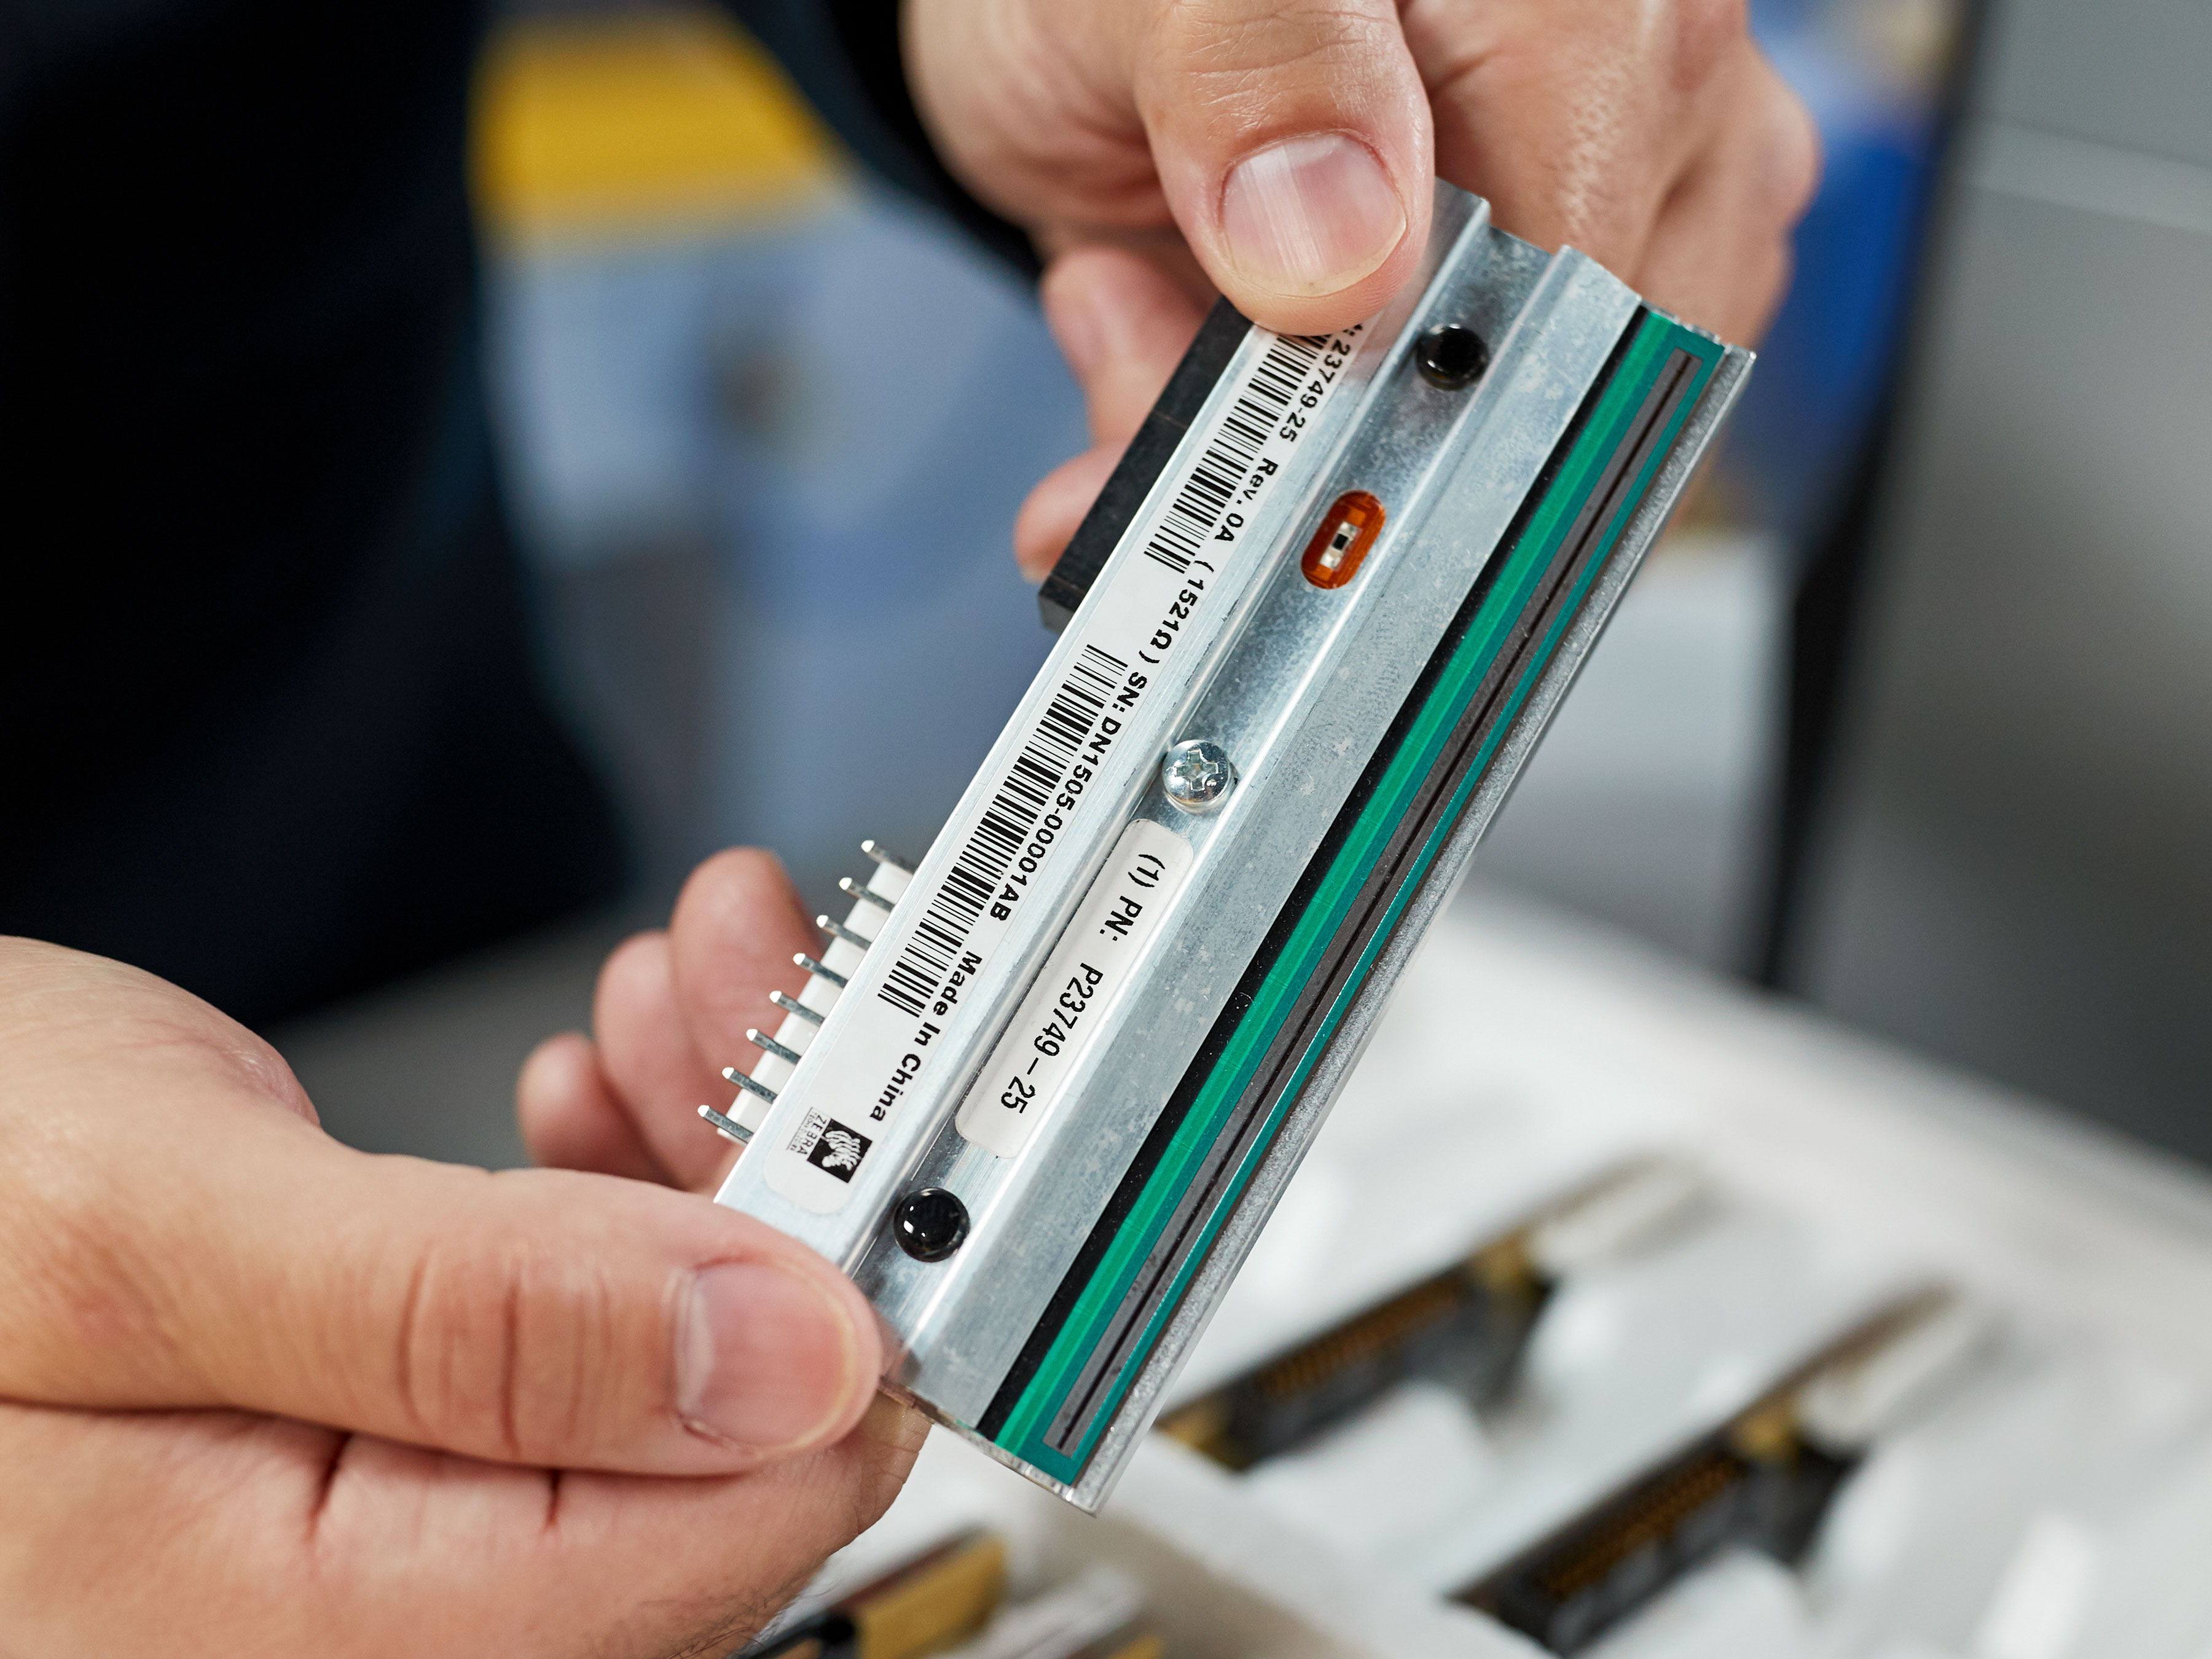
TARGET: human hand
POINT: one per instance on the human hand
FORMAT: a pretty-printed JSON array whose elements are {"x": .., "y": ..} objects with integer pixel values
[
  {"x": 672, "y": 1010},
  {"x": 1282, "y": 154},
  {"x": 262, "y": 1394}
]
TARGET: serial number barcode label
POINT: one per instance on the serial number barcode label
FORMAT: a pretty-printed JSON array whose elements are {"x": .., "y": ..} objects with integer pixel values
[
  {"x": 1273, "y": 402},
  {"x": 1068, "y": 1001},
  {"x": 882, "y": 1044},
  {"x": 1015, "y": 833}
]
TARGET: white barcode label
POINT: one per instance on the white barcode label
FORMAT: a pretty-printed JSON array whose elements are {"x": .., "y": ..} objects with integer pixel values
[
  {"x": 864, "y": 1064},
  {"x": 1014, "y": 836},
  {"x": 1270, "y": 409},
  {"x": 1068, "y": 1002}
]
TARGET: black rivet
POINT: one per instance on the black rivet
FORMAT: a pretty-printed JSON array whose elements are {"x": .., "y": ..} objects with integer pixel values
[
  {"x": 930, "y": 1224},
  {"x": 1449, "y": 356}
]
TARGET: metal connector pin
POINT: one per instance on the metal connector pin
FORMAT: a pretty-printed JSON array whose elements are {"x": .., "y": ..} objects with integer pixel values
[
  {"x": 728, "y": 1127},
  {"x": 763, "y": 1040},
  {"x": 743, "y": 1082},
  {"x": 853, "y": 888},
  {"x": 883, "y": 854},
  {"x": 838, "y": 930}
]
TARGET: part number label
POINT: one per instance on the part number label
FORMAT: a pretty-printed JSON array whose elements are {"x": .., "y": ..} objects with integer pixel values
[{"x": 1068, "y": 1002}]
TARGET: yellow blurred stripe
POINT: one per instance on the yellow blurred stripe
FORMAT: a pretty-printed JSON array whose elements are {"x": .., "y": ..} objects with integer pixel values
[{"x": 637, "y": 122}]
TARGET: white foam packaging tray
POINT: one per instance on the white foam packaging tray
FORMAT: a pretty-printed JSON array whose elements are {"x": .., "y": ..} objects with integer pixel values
[{"x": 2055, "y": 1504}]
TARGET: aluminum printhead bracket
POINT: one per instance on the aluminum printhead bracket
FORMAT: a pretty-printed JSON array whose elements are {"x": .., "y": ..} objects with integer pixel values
[{"x": 1043, "y": 1089}]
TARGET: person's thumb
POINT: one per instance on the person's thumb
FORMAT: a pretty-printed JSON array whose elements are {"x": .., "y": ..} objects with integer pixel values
[
  {"x": 1294, "y": 145},
  {"x": 213, "y": 1250}
]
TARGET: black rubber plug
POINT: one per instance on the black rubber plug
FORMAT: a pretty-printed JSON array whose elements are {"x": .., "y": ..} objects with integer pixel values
[
  {"x": 1450, "y": 357},
  {"x": 930, "y": 1224}
]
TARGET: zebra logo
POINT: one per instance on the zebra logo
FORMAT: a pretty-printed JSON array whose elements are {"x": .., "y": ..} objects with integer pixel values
[{"x": 838, "y": 1150}]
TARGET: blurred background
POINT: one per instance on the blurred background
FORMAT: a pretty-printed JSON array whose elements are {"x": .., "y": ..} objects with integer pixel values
[{"x": 1905, "y": 718}]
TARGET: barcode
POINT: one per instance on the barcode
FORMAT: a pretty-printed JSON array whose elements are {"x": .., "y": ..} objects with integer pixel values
[
  {"x": 991, "y": 846},
  {"x": 1197, "y": 508}
]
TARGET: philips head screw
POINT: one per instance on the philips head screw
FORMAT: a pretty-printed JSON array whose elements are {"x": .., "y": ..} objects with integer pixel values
[{"x": 1197, "y": 776}]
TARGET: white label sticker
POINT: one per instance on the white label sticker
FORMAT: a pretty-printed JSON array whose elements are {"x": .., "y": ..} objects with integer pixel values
[
  {"x": 881, "y": 1036},
  {"x": 1069, "y": 1000}
]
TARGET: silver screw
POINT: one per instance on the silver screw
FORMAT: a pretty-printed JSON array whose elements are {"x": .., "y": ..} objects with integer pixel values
[{"x": 1197, "y": 776}]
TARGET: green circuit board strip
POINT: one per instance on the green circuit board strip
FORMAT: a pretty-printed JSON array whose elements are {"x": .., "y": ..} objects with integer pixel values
[{"x": 1025, "y": 1427}]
